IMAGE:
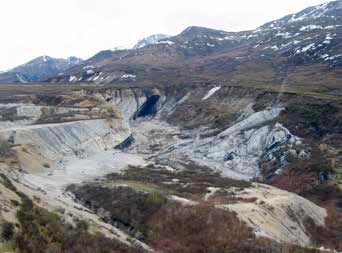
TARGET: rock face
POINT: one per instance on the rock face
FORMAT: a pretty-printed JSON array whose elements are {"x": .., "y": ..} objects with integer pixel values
[
  {"x": 235, "y": 151},
  {"x": 127, "y": 101},
  {"x": 240, "y": 152},
  {"x": 55, "y": 142},
  {"x": 236, "y": 155}
]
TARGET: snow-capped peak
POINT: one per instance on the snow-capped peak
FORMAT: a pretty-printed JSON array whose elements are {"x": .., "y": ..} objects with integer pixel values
[{"x": 153, "y": 39}]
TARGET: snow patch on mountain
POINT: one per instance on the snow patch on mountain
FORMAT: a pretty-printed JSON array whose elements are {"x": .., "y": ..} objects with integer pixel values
[
  {"x": 150, "y": 40},
  {"x": 211, "y": 92}
]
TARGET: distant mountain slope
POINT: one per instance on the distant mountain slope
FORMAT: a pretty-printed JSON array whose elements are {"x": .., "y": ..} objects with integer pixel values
[
  {"x": 150, "y": 40},
  {"x": 38, "y": 70},
  {"x": 302, "y": 49},
  {"x": 312, "y": 35}
]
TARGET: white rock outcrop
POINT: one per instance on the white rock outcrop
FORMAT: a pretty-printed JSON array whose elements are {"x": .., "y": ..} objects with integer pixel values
[
  {"x": 253, "y": 120},
  {"x": 236, "y": 151},
  {"x": 276, "y": 213},
  {"x": 54, "y": 142},
  {"x": 128, "y": 102}
]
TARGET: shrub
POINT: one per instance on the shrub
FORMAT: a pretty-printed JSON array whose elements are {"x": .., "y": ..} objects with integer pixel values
[
  {"x": 24, "y": 149},
  {"x": 7, "y": 183},
  {"x": 155, "y": 199},
  {"x": 7, "y": 231},
  {"x": 82, "y": 226},
  {"x": 5, "y": 147}
]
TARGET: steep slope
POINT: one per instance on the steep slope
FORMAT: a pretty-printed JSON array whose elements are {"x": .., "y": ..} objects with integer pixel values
[{"x": 38, "y": 70}]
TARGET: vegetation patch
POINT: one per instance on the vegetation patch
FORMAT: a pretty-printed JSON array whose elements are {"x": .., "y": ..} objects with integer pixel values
[
  {"x": 5, "y": 148},
  {"x": 137, "y": 185},
  {"x": 314, "y": 119},
  {"x": 193, "y": 180},
  {"x": 194, "y": 113},
  {"x": 126, "y": 204},
  {"x": 130, "y": 199}
]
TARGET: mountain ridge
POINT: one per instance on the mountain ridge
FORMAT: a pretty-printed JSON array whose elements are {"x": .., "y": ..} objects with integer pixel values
[
  {"x": 310, "y": 37},
  {"x": 302, "y": 56},
  {"x": 38, "y": 69}
]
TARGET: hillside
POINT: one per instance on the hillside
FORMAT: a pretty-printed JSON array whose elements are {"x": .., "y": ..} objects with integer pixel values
[{"x": 300, "y": 52}]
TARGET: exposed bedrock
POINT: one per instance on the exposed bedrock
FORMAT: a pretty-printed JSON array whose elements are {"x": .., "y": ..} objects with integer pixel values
[
  {"x": 226, "y": 128},
  {"x": 13, "y": 115},
  {"x": 233, "y": 139},
  {"x": 51, "y": 143}
]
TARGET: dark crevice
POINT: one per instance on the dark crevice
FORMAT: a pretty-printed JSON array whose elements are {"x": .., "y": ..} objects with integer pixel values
[
  {"x": 126, "y": 143},
  {"x": 148, "y": 108}
]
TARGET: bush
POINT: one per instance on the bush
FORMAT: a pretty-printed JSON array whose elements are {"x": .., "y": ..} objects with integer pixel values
[
  {"x": 5, "y": 147},
  {"x": 15, "y": 202},
  {"x": 82, "y": 226},
  {"x": 7, "y": 231},
  {"x": 46, "y": 165},
  {"x": 155, "y": 199}
]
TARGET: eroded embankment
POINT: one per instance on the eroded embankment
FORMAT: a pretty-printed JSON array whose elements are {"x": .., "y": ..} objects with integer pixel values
[{"x": 229, "y": 130}]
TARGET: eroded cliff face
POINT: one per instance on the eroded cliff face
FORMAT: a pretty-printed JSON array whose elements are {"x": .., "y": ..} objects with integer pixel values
[
  {"x": 228, "y": 129},
  {"x": 45, "y": 146},
  {"x": 231, "y": 131}
]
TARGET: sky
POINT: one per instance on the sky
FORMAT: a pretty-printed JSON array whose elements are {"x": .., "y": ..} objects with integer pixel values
[{"x": 82, "y": 28}]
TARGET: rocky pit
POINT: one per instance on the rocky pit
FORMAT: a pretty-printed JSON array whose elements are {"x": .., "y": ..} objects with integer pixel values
[{"x": 80, "y": 147}]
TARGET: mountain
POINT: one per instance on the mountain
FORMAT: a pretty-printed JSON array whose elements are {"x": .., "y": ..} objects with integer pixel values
[
  {"x": 150, "y": 40},
  {"x": 302, "y": 49},
  {"x": 38, "y": 69}
]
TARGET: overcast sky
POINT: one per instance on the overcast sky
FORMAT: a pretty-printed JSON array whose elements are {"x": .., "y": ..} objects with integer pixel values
[{"x": 83, "y": 27}]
